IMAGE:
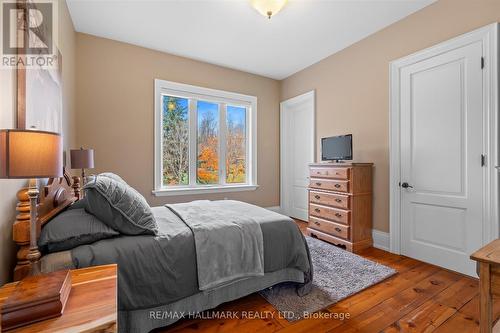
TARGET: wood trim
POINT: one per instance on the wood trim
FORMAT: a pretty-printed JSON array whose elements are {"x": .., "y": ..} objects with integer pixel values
[
  {"x": 21, "y": 80},
  {"x": 21, "y": 98},
  {"x": 54, "y": 197}
]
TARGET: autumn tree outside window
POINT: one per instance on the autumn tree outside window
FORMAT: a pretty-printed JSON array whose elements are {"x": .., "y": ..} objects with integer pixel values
[{"x": 205, "y": 140}]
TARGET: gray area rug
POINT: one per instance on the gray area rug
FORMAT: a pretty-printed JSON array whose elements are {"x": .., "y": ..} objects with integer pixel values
[{"x": 337, "y": 274}]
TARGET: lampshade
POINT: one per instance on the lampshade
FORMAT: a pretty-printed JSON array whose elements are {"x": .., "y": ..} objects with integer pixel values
[
  {"x": 268, "y": 7},
  {"x": 82, "y": 158},
  {"x": 30, "y": 154}
]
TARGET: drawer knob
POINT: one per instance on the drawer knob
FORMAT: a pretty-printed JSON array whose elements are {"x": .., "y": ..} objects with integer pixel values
[
  {"x": 337, "y": 185},
  {"x": 337, "y": 229},
  {"x": 318, "y": 184},
  {"x": 317, "y": 210},
  {"x": 317, "y": 197},
  {"x": 317, "y": 223},
  {"x": 338, "y": 214},
  {"x": 338, "y": 200},
  {"x": 337, "y": 173}
]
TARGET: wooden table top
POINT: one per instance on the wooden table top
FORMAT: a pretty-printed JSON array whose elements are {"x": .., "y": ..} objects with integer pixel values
[
  {"x": 489, "y": 253},
  {"x": 91, "y": 304}
]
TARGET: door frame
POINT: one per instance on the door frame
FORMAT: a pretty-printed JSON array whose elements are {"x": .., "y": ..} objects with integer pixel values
[
  {"x": 488, "y": 35},
  {"x": 284, "y": 107}
]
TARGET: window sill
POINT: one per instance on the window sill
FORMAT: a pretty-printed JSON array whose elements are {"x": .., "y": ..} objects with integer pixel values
[{"x": 203, "y": 190}]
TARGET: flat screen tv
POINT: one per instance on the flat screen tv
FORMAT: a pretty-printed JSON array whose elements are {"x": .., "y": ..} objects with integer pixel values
[{"x": 336, "y": 148}]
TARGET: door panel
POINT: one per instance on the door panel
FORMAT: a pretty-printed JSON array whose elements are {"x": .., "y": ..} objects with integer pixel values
[
  {"x": 441, "y": 147},
  {"x": 297, "y": 128},
  {"x": 438, "y": 121}
]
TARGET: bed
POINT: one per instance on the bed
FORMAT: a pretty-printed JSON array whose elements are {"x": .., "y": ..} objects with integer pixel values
[{"x": 165, "y": 275}]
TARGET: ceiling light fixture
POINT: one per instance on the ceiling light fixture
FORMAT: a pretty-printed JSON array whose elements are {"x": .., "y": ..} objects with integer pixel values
[{"x": 268, "y": 7}]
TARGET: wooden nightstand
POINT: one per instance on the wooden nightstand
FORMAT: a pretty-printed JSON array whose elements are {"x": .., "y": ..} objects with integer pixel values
[{"x": 91, "y": 305}]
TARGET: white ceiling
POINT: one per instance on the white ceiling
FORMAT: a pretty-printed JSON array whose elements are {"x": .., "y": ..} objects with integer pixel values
[{"x": 231, "y": 33}]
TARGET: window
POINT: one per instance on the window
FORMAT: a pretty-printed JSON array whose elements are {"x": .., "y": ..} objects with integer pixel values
[{"x": 205, "y": 140}]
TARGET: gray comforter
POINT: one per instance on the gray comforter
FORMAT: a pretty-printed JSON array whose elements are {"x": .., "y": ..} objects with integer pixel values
[
  {"x": 156, "y": 270},
  {"x": 229, "y": 245}
]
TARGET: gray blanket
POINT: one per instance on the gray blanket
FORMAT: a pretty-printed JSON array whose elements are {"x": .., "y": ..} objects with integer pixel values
[
  {"x": 158, "y": 270},
  {"x": 229, "y": 245}
]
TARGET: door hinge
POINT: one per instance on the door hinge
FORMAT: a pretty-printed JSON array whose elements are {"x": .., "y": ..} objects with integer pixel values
[
  {"x": 482, "y": 62},
  {"x": 483, "y": 160}
]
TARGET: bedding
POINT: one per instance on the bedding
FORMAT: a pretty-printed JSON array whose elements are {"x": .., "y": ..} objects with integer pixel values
[
  {"x": 72, "y": 228},
  {"x": 229, "y": 245},
  {"x": 82, "y": 203},
  {"x": 160, "y": 272},
  {"x": 118, "y": 205},
  {"x": 149, "y": 266},
  {"x": 113, "y": 176}
]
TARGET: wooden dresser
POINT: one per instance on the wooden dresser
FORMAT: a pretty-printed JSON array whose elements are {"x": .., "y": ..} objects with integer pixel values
[{"x": 340, "y": 204}]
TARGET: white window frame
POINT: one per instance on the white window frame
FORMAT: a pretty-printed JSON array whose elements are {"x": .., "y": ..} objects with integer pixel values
[{"x": 223, "y": 98}]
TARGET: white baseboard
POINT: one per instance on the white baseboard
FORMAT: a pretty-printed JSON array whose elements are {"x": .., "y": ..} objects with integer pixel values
[
  {"x": 380, "y": 240},
  {"x": 276, "y": 209}
]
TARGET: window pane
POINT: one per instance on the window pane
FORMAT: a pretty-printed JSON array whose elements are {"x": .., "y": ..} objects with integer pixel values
[
  {"x": 208, "y": 143},
  {"x": 175, "y": 141},
  {"x": 236, "y": 145}
]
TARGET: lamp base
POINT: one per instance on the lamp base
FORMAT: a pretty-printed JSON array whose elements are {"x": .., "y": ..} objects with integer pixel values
[
  {"x": 34, "y": 254},
  {"x": 77, "y": 190}
]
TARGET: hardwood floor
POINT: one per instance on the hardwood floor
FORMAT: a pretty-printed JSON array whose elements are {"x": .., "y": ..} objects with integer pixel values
[{"x": 420, "y": 298}]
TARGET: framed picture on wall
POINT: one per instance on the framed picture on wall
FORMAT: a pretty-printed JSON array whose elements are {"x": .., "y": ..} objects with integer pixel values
[{"x": 40, "y": 98}]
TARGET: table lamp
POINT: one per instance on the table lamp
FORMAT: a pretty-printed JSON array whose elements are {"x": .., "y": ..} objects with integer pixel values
[
  {"x": 82, "y": 159},
  {"x": 31, "y": 154}
]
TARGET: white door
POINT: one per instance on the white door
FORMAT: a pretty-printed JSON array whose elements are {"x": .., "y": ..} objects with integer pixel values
[
  {"x": 297, "y": 151},
  {"x": 441, "y": 158}
]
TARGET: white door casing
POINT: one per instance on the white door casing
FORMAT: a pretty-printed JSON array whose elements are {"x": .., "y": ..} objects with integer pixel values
[
  {"x": 297, "y": 150},
  {"x": 444, "y": 115}
]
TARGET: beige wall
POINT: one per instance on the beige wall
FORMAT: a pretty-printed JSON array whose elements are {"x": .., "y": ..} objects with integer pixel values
[
  {"x": 9, "y": 188},
  {"x": 115, "y": 112},
  {"x": 352, "y": 86}
]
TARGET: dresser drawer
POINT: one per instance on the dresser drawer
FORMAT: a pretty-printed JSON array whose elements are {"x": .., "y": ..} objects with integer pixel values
[
  {"x": 336, "y": 173},
  {"x": 334, "y": 185},
  {"x": 329, "y": 199},
  {"x": 329, "y": 213},
  {"x": 331, "y": 228},
  {"x": 330, "y": 239}
]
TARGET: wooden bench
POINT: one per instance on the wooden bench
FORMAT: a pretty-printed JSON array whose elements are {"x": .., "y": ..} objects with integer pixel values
[{"x": 488, "y": 259}]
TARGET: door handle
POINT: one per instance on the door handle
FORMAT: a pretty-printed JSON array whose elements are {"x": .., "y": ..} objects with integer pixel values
[{"x": 406, "y": 185}]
